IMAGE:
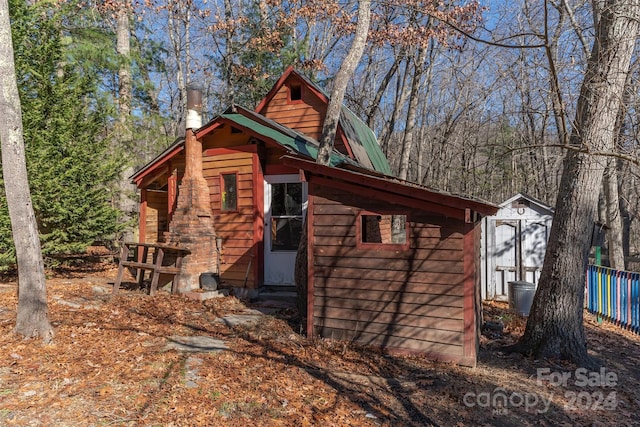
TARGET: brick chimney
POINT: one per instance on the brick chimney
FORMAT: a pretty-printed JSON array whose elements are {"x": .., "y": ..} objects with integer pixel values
[{"x": 192, "y": 223}]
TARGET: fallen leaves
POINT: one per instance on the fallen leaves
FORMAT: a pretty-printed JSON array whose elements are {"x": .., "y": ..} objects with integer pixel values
[{"x": 108, "y": 365}]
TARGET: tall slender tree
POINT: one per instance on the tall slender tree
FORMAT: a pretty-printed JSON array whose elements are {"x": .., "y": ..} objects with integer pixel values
[
  {"x": 341, "y": 81},
  {"x": 329, "y": 130},
  {"x": 32, "y": 318},
  {"x": 124, "y": 134}
]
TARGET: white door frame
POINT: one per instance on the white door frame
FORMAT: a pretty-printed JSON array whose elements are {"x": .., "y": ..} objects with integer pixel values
[{"x": 279, "y": 266}]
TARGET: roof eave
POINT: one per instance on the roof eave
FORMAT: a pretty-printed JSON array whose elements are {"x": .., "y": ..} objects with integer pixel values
[
  {"x": 535, "y": 201},
  {"x": 171, "y": 151},
  {"x": 394, "y": 185}
]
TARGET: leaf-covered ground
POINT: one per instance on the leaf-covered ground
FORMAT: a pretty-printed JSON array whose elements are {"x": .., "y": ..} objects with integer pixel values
[{"x": 109, "y": 365}]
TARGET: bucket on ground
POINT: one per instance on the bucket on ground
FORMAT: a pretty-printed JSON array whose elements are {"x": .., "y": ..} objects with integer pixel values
[
  {"x": 521, "y": 295},
  {"x": 209, "y": 281}
]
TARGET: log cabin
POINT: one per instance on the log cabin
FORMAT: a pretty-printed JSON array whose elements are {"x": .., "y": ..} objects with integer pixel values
[{"x": 391, "y": 264}]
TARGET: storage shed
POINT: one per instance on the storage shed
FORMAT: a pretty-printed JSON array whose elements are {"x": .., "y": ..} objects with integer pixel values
[
  {"x": 514, "y": 244},
  {"x": 392, "y": 264}
]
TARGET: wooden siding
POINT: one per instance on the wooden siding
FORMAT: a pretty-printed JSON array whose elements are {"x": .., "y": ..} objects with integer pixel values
[
  {"x": 409, "y": 300},
  {"x": 305, "y": 115},
  {"x": 478, "y": 284},
  {"x": 236, "y": 228},
  {"x": 156, "y": 219},
  {"x": 470, "y": 292},
  {"x": 224, "y": 137},
  {"x": 240, "y": 257}
]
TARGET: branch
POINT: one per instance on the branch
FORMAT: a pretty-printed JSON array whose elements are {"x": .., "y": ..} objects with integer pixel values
[
  {"x": 556, "y": 95},
  {"x": 478, "y": 39},
  {"x": 497, "y": 43},
  {"x": 576, "y": 28},
  {"x": 580, "y": 149}
]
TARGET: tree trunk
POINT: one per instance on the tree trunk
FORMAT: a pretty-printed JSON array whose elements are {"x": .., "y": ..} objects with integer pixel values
[
  {"x": 123, "y": 48},
  {"x": 181, "y": 71},
  {"x": 613, "y": 219},
  {"x": 408, "y": 142},
  {"x": 555, "y": 325},
  {"x": 611, "y": 193},
  {"x": 328, "y": 136},
  {"x": 375, "y": 104},
  {"x": 229, "y": 54},
  {"x": 126, "y": 190},
  {"x": 347, "y": 68},
  {"x": 386, "y": 135},
  {"x": 32, "y": 319}
]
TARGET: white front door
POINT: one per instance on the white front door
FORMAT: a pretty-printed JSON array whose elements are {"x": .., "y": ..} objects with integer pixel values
[{"x": 285, "y": 204}]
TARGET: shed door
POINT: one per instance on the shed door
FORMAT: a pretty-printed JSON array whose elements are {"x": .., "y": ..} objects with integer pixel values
[
  {"x": 518, "y": 254},
  {"x": 285, "y": 199},
  {"x": 534, "y": 245},
  {"x": 505, "y": 258}
]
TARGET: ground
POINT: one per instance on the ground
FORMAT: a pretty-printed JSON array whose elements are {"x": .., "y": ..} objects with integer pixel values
[{"x": 115, "y": 362}]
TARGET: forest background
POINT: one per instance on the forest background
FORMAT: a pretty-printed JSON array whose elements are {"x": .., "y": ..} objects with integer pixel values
[{"x": 480, "y": 99}]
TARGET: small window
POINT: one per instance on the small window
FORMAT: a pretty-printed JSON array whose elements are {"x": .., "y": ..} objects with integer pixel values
[
  {"x": 383, "y": 229},
  {"x": 229, "y": 193},
  {"x": 295, "y": 92}
]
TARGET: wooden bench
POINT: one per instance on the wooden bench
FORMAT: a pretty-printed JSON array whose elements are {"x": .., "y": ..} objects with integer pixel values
[{"x": 135, "y": 255}]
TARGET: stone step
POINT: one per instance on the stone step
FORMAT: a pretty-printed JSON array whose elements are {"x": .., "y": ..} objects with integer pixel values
[
  {"x": 205, "y": 295},
  {"x": 279, "y": 298},
  {"x": 278, "y": 288},
  {"x": 279, "y": 295}
]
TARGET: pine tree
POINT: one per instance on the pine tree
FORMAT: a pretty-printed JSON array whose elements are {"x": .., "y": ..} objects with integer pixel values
[
  {"x": 258, "y": 51},
  {"x": 69, "y": 164}
]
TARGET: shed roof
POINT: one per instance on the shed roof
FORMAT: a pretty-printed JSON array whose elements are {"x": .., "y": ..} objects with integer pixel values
[
  {"x": 400, "y": 191},
  {"x": 541, "y": 205}
]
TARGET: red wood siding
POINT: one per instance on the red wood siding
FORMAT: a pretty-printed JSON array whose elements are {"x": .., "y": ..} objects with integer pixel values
[
  {"x": 477, "y": 231},
  {"x": 470, "y": 292},
  {"x": 306, "y": 116},
  {"x": 156, "y": 215},
  {"x": 236, "y": 228},
  {"x": 223, "y": 137},
  {"x": 412, "y": 300}
]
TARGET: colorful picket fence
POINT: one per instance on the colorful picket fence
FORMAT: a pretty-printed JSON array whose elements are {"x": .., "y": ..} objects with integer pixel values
[{"x": 615, "y": 295}]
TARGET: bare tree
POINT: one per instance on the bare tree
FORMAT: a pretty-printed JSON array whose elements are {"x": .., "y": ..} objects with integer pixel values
[
  {"x": 341, "y": 81},
  {"x": 555, "y": 325},
  {"x": 32, "y": 319},
  {"x": 611, "y": 190},
  {"x": 123, "y": 48},
  {"x": 329, "y": 130},
  {"x": 408, "y": 142},
  {"x": 127, "y": 191}
]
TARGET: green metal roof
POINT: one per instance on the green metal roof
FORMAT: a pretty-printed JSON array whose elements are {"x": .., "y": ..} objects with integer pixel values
[
  {"x": 362, "y": 140},
  {"x": 298, "y": 144},
  {"x": 361, "y": 137}
]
